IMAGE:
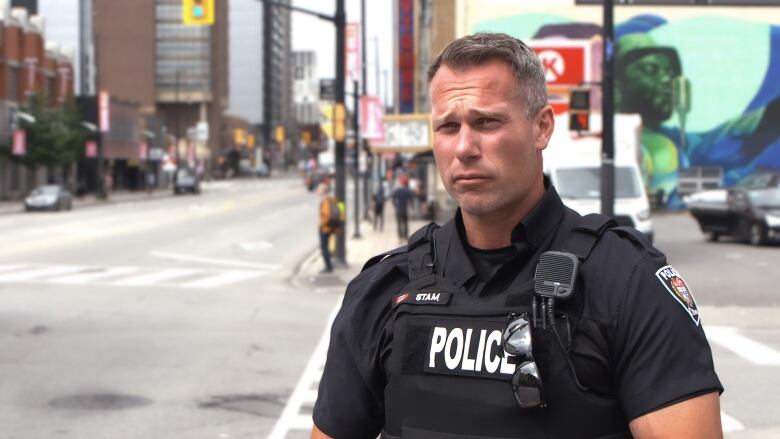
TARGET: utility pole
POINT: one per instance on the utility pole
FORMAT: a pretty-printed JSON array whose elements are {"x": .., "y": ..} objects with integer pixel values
[
  {"x": 607, "y": 115},
  {"x": 364, "y": 60},
  {"x": 268, "y": 20},
  {"x": 339, "y": 20},
  {"x": 356, "y": 154}
]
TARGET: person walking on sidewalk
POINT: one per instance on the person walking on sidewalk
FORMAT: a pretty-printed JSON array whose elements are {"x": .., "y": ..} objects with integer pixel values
[
  {"x": 379, "y": 207},
  {"x": 402, "y": 198},
  {"x": 330, "y": 223}
]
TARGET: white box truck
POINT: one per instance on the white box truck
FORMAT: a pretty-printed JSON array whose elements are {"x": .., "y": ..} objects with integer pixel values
[{"x": 573, "y": 163}]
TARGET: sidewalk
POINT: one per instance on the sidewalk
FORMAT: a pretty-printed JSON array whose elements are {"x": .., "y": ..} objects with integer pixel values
[{"x": 359, "y": 250}]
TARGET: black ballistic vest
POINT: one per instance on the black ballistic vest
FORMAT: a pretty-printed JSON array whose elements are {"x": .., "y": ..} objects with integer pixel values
[{"x": 449, "y": 378}]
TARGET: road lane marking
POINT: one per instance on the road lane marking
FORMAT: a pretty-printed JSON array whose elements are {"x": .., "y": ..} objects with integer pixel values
[
  {"x": 730, "y": 424},
  {"x": 38, "y": 272},
  {"x": 291, "y": 417},
  {"x": 94, "y": 274},
  {"x": 181, "y": 257},
  {"x": 751, "y": 350},
  {"x": 220, "y": 279},
  {"x": 154, "y": 277}
]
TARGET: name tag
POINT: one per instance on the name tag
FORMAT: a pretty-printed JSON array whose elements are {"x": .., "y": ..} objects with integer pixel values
[{"x": 423, "y": 297}]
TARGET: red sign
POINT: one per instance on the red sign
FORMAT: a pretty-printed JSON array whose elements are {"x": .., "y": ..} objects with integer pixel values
[
  {"x": 19, "y": 146},
  {"x": 104, "y": 112},
  {"x": 563, "y": 65},
  {"x": 90, "y": 149},
  {"x": 371, "y": 113},
  {"x": 352, "y": 58},
  {"x": 406, "y": 57}
]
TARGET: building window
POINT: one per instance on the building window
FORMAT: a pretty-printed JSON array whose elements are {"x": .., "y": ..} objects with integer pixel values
[{"x": 13, "y": 84}]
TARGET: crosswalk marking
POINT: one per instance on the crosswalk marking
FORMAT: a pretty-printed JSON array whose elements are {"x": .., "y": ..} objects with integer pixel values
[
  {"x": 125, "y": 276},
  {"x": 39, "y": 272},
  {"x": 216, "y": 280},
  {"x": 730, "y": 424},
  {"x": 750, "y": 350},
  {"x": 94, "y": 275},
  {"x": 154, "y": 277}
]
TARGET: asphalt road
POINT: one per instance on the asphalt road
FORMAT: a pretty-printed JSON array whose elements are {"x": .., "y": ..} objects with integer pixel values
[
  {"x": 160, "y": 318},
  {"x": 183, "y": 317}
]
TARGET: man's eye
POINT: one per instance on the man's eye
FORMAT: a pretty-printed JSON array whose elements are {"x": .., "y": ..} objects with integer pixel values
[
  {"x": 486, "y": 122},
  {"x": 451, "y": 126}
]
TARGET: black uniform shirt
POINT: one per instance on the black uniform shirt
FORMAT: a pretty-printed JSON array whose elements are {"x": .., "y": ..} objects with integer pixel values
[{"x": 636, "y": 340}]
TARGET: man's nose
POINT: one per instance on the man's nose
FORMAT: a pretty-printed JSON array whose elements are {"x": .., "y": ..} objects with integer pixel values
[{"x": 468, "y": 148}]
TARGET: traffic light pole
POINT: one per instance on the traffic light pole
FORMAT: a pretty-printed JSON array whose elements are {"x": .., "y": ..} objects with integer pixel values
[
  {"x": 369, "y": 158},
  {"x": 607, "y": 115},
  {"x": 339, "y": 20},
  {"x": 356, "y": 156}
]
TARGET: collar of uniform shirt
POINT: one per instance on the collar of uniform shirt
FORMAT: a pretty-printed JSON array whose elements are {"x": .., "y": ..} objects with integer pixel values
[{"x": 532, "y": 231}]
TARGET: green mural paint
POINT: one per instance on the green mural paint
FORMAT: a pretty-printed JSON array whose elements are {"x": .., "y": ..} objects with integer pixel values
[
  {"x": 522, "y": 26},
  {"x": 725, "y": 59}
]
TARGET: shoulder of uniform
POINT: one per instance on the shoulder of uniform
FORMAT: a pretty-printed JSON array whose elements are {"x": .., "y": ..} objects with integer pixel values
[
  {"x": 637, "y": 239},
  {"x": 376, "y": 262}
]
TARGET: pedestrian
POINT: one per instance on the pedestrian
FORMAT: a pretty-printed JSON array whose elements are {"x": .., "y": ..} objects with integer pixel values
[
  {"x": 330, "y": 223},
  {"x": 402, "y": 199},
  {"x": 379, "y": 207},
  {"x": 460, "y": 334}
]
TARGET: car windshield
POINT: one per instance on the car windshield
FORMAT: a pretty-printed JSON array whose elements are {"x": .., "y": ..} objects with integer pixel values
[
  {"x": 759, "y": 180},
  {"x": 184, "y": 173},
  {"x": 586, "y": 182},
  {"x": 46, "y": 190},
  {"x": 765, "y": 198}
]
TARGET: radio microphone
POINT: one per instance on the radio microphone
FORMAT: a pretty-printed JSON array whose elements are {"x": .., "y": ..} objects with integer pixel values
[{"x": 556, "y": 274}]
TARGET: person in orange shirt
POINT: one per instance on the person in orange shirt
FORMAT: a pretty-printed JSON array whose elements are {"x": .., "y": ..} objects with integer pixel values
[{"x": 326, "y": 225}]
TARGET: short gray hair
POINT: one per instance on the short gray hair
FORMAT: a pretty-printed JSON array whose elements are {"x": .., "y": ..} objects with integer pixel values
[{"x": 482, "y": 47}]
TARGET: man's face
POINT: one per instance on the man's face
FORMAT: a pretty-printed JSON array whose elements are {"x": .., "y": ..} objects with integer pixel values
[
  {"x": 487, "y": 151},
  {"x": 649, "y": 82}
]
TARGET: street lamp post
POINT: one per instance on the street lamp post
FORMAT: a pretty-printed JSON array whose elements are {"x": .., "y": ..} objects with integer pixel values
[
  {"x": 607, "y": 112},
  {"x": 339, "y": 20}
]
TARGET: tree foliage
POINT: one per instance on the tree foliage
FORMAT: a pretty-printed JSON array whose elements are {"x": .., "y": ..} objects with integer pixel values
[{"x": 56, "y": 137}]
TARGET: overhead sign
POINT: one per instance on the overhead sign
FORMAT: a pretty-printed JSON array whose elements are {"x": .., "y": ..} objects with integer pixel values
[
  {"x": 565, "y": 62},
  {"x": 406, "y": 133},
  {"x": 371, "y": 113},
  {"x": 406, "y": 56},
  {"x": 19, "y": 146},
  {"x": 352, "y": 48},
  {"x": 104, "y": 112}
]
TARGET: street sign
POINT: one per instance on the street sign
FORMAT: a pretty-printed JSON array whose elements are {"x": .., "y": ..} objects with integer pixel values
[
  {"x": 90, "y": 149},
  {"x": 104, "y": 112},
  {"x": 20, "y": 142},
  {"x": 406, "y": 133},
  {"x": 202, "y": 131},
  {"x": 328, "y": 89},
  {"x": 371, "y": 112},
  {"x": 352, "y": 56},
  {"x": 565, "y": 62}
]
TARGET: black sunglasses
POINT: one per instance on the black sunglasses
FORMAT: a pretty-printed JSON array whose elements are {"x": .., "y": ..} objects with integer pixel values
[{"x": 526, "y": 382}]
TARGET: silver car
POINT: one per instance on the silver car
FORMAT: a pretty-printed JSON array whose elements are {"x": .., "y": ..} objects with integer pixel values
[{"x": 48, "y": 197}]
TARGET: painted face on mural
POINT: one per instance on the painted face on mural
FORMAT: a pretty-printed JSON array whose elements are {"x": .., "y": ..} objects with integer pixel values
[{"x": 647, "y": 87}]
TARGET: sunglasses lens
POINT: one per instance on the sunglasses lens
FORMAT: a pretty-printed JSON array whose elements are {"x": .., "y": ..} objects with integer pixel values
[
  {"x": 527, "y": 385},
  {"x": 517, "y": 337}
]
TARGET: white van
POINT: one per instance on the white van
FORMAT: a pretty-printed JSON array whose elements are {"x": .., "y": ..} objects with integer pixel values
[{"x": 573, "y": 163}]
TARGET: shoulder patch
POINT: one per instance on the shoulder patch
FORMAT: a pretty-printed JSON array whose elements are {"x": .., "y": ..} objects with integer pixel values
[{"x": 676, "y": 286}]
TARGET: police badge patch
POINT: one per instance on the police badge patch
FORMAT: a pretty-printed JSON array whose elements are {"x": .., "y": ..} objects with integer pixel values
[{"x": 677, "y": 287}]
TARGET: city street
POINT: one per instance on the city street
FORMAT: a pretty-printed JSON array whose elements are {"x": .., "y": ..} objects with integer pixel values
[{"x": 200, "y": 316}]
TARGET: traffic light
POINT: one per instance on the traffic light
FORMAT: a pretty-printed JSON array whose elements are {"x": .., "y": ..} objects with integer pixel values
[
  {"x": 579, "y": 110},
  {"x": 198, "y": 12}
]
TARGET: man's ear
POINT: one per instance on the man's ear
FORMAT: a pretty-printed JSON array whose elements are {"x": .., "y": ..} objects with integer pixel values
[{"x": 544, "y": 123}]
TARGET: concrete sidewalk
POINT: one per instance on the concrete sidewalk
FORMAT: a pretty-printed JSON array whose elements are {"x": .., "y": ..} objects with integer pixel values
[{"x": 359, "y": 250}]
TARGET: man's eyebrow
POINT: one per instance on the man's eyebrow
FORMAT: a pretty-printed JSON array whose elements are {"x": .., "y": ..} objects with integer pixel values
[{"x": 472, "y": 114}]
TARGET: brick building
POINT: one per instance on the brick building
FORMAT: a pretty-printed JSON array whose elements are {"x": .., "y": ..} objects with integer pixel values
[{"x": 29, "y": 68}]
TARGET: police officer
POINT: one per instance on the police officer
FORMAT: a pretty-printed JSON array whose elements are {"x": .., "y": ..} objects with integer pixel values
[{"x": 450, "y": 337}]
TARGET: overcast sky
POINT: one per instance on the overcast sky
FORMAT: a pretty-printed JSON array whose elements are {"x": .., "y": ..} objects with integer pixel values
[{"x": 311, "y": 33}]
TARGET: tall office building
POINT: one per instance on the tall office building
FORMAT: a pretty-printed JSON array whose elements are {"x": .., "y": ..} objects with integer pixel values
[{"x": 277, "y": 77}]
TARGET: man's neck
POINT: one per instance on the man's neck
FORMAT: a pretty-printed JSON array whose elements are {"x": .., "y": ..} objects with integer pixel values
[{"x": 495, "y": 229}]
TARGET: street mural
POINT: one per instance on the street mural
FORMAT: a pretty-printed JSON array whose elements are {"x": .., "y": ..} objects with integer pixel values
[{"x": 707, "y": 88}]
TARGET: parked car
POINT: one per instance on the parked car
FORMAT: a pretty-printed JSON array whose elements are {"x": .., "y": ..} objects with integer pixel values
[
  {"x": 761, "y": 179},
  {"x": 747, "y": 213},
  {"x": 49, "y": 197},
  {"x": 185, "y": 180}
]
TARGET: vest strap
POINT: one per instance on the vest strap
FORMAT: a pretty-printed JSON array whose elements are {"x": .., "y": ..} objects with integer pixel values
[{"x": 422, "y": 257}]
